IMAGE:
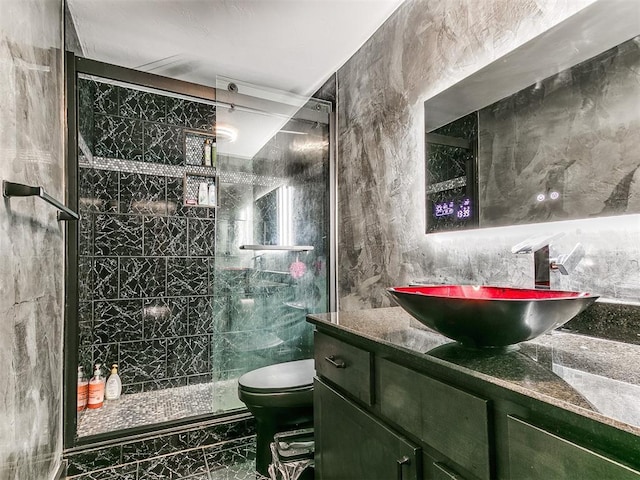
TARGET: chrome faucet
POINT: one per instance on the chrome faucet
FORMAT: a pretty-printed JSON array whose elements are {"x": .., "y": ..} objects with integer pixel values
[{"x": 543, "y": 264}]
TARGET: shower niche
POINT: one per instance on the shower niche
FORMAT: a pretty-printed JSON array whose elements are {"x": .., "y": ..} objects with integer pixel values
[{"x": 163, "y": 288}]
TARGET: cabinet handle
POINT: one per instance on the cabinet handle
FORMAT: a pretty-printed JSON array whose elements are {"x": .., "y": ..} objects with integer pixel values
[
  {"x": 336, "y": 363},
  {"x": 403, "y": 461}
]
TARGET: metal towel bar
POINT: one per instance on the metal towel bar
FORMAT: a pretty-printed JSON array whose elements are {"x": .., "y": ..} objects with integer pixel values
[{"x": 11, "y": 189}]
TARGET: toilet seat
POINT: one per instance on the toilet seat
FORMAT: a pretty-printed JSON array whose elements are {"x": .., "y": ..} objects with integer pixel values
[
  {"x": 280, "y": 397},
  {"x": 280, "y": 378}
]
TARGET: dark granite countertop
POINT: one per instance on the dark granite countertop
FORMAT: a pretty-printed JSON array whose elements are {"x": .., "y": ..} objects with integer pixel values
[{"x": 596, "y": 378}]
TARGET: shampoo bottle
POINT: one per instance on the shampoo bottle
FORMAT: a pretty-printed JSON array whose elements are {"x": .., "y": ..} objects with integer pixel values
[
  {"x": 114, "y": 384},
  {"x": 96, "y": 389},
  {"x": 208, "y": 151},
  {"x": 212, "y": 194},
  {"x": 83, "y": 389},
  {"x": 203, "y": 194}
]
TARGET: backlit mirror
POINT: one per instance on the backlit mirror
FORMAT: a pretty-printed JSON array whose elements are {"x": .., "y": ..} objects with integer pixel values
[{"x": 550, "y": 132}]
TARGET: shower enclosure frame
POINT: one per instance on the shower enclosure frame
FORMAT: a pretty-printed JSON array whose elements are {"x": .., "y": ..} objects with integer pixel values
[{"x": 74, "y": 66}]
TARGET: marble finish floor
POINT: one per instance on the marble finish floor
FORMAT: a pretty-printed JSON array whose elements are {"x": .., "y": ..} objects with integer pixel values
[
  {"x": 207, "y": 463},
  {"x": 148, "y": 408}
]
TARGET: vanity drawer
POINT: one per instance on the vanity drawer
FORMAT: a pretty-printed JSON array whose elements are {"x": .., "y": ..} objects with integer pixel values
[
  {"x": 453, "y": 422},
  {"x": 344, "y": 365},
  {"x": 537, "y": 454}
]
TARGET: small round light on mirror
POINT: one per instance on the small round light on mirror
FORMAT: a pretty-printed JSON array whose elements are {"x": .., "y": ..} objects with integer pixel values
[
  {"x": 541, "y": 197},
  {"x": 554, "y": 195}
]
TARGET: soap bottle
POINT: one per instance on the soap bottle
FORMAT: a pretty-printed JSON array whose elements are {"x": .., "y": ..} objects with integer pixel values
[
  {"x": 208, "y": 151},
  {"x": 83, "y": 389},
  {"x": 203, "y": 194},
  {"x": 214, "y": 154},
  {"x": 96, "y": 389},
  {"x": 113, "y": 387},
  {"x": 212, "y": 194}
]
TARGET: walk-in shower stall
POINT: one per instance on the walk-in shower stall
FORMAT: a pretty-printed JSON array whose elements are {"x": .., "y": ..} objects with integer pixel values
[{"x": 203, "y": 242}]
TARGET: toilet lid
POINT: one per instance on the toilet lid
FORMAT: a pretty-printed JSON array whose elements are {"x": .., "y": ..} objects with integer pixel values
[{"x": 279, "y": 377}]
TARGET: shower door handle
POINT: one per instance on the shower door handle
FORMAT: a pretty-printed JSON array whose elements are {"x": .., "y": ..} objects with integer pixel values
[{"x": 336, "y": 363}]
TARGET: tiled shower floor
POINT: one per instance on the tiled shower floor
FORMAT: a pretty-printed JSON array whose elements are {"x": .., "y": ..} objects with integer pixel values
[{"x": 148, "y": 408}]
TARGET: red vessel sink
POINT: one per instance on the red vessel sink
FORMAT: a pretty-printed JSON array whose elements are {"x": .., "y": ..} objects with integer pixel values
[{"x": 480, "y": 316}]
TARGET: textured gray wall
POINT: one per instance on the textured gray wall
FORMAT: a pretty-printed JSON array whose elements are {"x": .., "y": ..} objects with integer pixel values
[
  {"x": 425, "y": 47},
  {"x": 32, "y": 241}
]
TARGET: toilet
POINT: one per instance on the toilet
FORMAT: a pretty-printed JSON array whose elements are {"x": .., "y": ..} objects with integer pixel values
[{"x": 280, "y": 397}]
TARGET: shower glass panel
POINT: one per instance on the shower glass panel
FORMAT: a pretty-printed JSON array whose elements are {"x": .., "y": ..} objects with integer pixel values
[
  {"x": 170, "y": 188},
  {"x": 272, "y": 227}
]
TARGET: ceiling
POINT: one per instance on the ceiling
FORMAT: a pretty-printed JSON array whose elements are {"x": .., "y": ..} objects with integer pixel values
[{"x": 290, "y": 45}]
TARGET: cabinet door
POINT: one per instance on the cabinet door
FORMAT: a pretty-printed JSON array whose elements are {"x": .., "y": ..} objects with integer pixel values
[
  {"x": 352, "y": 445},
  {"x": 536, "y": 454},
  {"x": 449, "y": 420}
]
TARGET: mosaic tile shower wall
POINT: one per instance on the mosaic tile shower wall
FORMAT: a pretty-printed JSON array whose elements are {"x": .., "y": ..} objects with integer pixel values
[{"x": 146, "y": 260}]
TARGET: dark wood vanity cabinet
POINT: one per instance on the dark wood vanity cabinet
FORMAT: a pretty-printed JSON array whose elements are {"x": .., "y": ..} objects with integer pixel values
[
  {"x": 535, "y": 453},
  {"x": 351, "y": 444},
  {"x": 381, "y": 416}
]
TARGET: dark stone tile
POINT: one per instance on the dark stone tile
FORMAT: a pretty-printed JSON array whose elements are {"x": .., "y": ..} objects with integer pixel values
[
  {"x": 122, "y": 472},
  {"x": 85, "y": 278},
  {"x": 94, "y": 459},
  {"x": 188, "y": 356},
  {"x": 152, "y": 447},
  {"x": 165, "y": 236},
  {"x": 85, "y": 311},
  {"x": 106, "y": 187},
  {"x": 142, "y": 277},
  {"x": 163, "y": 144},
  {"x": 164, "y": 384},
  {"x": 202, "y": 237},
  {"x": 195, "y": 115},
  {"x": 231, "y": 453},
  {"x": 165, "y": 318},
  {"x": 117, "y": 320},
  {"x": 141, "y": 193},
  {"x": 85, "y": 358},
  {"x": 187, "y": 463},
  {"x": 187, "y": 276},
  {"x": 86, "y": 95},
  {"x": 117, "y": 234},
  {"x": 85, "y": 234},
  {"x": 143, "y": 361},
  {"x": 128, "y": 388},
  {"x": 106, "y": 355},
  {"x": 199, "y": 379},
  {"x": 215, "y": 434},
  {"x": 85, "y": 190},
  {"x": 85, "y": 323},
  {"x": 117, "y": 137},
  {"x": 98, "y": 190},
  {"x": 200, "y": 315},
  {"x": 105, "y": 101},
  {"x": 105, "y": 277},
  {"x": 154, "y": 469},
  {"x": 142, "y": 105}
]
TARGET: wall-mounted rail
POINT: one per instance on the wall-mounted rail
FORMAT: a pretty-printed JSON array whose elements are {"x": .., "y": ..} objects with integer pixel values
[
  {"x": 11, "y": 189},
  {"x": 289, "y": 248}
]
